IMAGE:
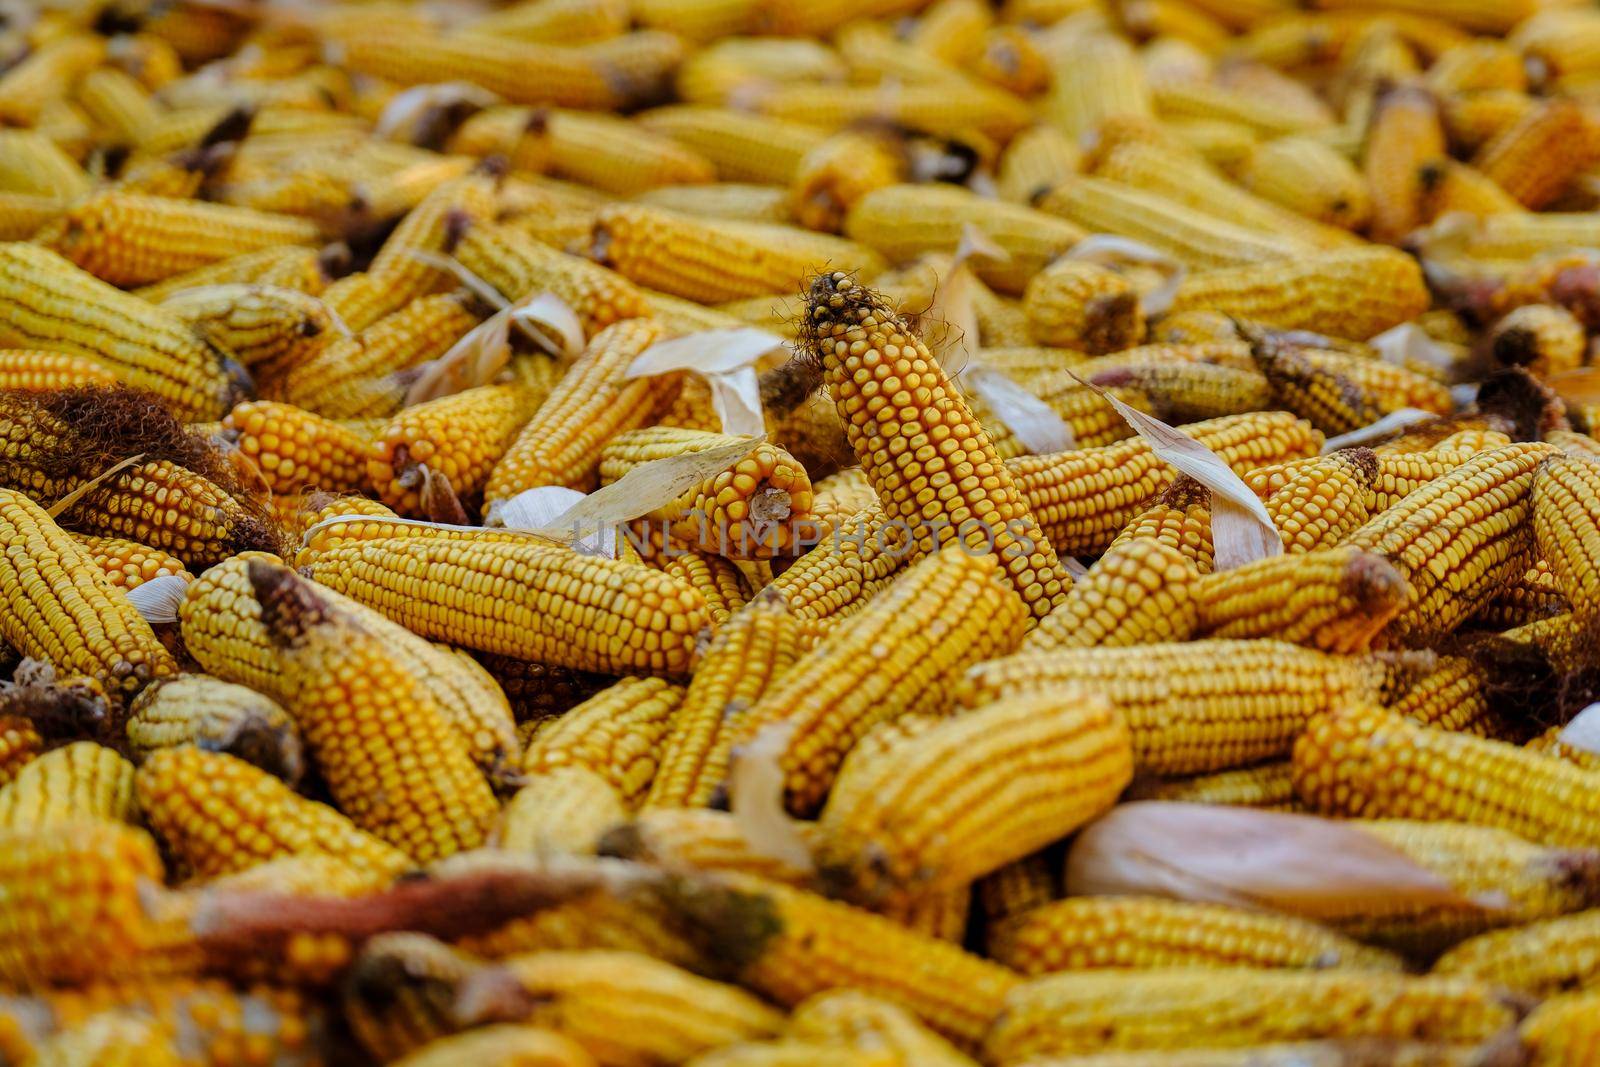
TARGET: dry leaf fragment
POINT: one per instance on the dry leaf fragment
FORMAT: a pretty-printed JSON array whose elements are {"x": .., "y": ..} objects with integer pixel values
[
  {"x": 756, "y": 792},
  {"x": 726, "y": 359}
]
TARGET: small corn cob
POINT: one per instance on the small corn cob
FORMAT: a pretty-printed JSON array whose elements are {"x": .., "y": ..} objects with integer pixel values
[
  {"x": 218, "y": 815},
  {"x": 699, "y": 839},
  {"x": 50, "y": 304},
  {"x": 1267, "y": 786},
  {"x": 1185, "y": 702},
  {"x": 20, "y": 743},
  {"x": 116, "y": 103},
  {"x": 1095, "y": 77},
  {"x": 606, "y": 615},
  {"x": 716, "y": 578},
  {"x": 264, "y": 327},
  {"x": 837, "y": 173},
  {"x": 129, "y": 564},
  {"x": 1536, "y": 157},
  {"x": 743, "y": 660},
  {"x": 561, "y": 444},
  {"x": 1354, "y": 293},
  {"x": 1311, "y": 179},
  {"x": 80, "y": 781},
  {"x": 128, "y": 239},
  {"x": 1542, "y": 958},
  {"x": 744, "y": 147},
  {"x": 31, "y": 163},
  {"x": 866, "y": 1022},
  {"x": 1194, "y": 238},
  {"x": 883, "y": 663},
  {"x": 621, "y": 1006},
  {"x": 1050, "y": 760},
  {"x": 460, "y": 438},
  {"x": 1566, "y": 524},
  {"x": 1180, "y": 520},
  {"x": 614, "y": 734},
  {"x": 1405, "y": 133},
  {"x": 1323, "y": 500},
  {"x": 1036, "y": 160},
  {"x": 695, "y": 257},
  {"x": 788, "y": 945},
  {"x": 866, "y": 351},
  {"x": 566, "y": 810},
  {"x": 750, "y": 510},
  {"x": 64, "y": 610},
  {"x": 1150, "y": 933},
  {"x": 413, "y": 783},
  {"x": 1141, "y": 592},
  {"x": 215, "y": 716},
  {"x": 400, "y": 990},
  {"x": 1071, "y": 1013},
  {"x": 1545, "y": 339},
  {"x": 506, "y": 1045},
  {"x": 1337, "y": 599},
  {"x": 46, "y": 75},
  {"x": 1084, "y": 497},
  {"x": 905, "y": 221},
  {"x": 285, "y": 266},
  {"x": 1347, "y": 763},
  {"x": 1083, "y": 306},
  {"x": 294, "y": 449}
]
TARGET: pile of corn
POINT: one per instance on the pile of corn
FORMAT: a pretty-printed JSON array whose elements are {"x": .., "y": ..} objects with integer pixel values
[{"x": 938, "y": 725}]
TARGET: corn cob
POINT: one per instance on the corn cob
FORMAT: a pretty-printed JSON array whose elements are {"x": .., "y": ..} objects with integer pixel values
[
  {"x": 24, "y": 214},
  {"x": 1035, "y": 161},
  {"x": 561, "y": 444},
  {"x": 399, "y": 992},
  {"x": 286, "y": 266},
  {"x": 745, "y": 202},
  {"x": 1405, "y": 133},
  {"x": 841, "y": 575},
  {"x": 1542, "y": 958},
  {"x": 1309, "y": 178},
  {"x": 1194, "y": 238},
  {"x": 1071, "y": 1013},
  {"x": 215, "y": 716},
  {"x": 1536, "y": 157},
  {"x": 49, "y": 304},
  {"x": 31, "y": 163},
  {"x": 1353, "y": 293},
  {"x": 1532, "y": 597},
  {"x": 1095, "y": 77},
  {"x": 741, "y": 663},
  {"x": 1566, "y": 529},
  {"x": 218, "y": 815},
  {"x": 1322, "y": 500},
  {"x": 1180, "y": 520},
  {"x": 744, "y": 147},
  {"x": 1345, "y": 763},
  {"x": 715, "y": 577},
  {"x": 694, "y": 257},
  {"x": 623, "y": 1007},
  {"x": 118, "y": 104},
  {"x": 264, "y": 327},
  {"x": 506, "y": 1045},
  {"x": 616, "y": 156},
  {"x": 838, "y": 172},
  {"x": 614, "y": 734},
  {"x": 1083, "y": 498},
  {"x": 598, "y": 919},
  {"x": 791, "y": 1053},
  {"x": 413, "y": 785},
  {"x": 80, "y": 781},
  {"x": 789, "y": 945},
  {"x": 1267, "y": 786},
  {"x": 1184, "y": 707},
  {"x": 884, "y": 663},
  {"x": 1336, "y": 599},
  {"x": 45, "y": 76},
  {"x": 1550, "y": 742},
  {"x": 459, "y": 438},
  {"x": 20, "y": 743},
  {"x": 1084, "y": 306},
  {"x": 294, "y": 449},
  {"x": 1140, "y": 592},
  {"x": 930, "y": 107},
  {"x": 1561, "y": 1031},
  {"x": 1149, "y": 933},
  {"x": 699, "y": 839},
  {"x": 1543, "y": 338},
  {"x": 1203, "y": 100},
  {"x": 566, "y": 810},
  {"x": 40, "y": 371},
  {"x": 865, "y": 1022},
  {"x": 614, "y": 616},
  {"x": 1077, "y": 761}
]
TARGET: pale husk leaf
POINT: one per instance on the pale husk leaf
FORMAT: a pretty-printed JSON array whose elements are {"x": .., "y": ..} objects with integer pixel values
[
  {"x": 1583, "y": 732},
  {"x": 400, "y": 115},
  {"x": 1110, "y": 250},
  {"x": 534, "y": 509},
  {"x": 1397, "y": 419},
  {"x": 756, "y": 792},
  {"x": 158, "y": 599},
  {"x": 726, "y": 359}
]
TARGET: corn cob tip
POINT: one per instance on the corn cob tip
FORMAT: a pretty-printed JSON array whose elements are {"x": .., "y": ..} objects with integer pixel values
[
  {"x": 289, "y": 604},
  {"x": 1527, "y": 404}
]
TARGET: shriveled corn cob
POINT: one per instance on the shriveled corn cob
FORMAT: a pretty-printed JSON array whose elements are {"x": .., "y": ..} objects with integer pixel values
[
  {"x": 1268, "y": 786},
  {"x": 79, "y": 781},
  {"x": 460, "y": 439},
  {"x": 1186, "y": 703},
  {"x": 215, "y": 716},
  {"x": 1142, "y": 591},
  {"x": 1150, "y": 933},
  {"x": 218, "y": 815},
  {"x": 1048, "y": 761}
]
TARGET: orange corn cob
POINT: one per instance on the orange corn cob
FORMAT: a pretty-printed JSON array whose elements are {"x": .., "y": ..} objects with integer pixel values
[
  {"x": 77, "y": 782},
  {"x": 41, "y": 371},
  {"x": 294, "y": 449},
  {"x": 1405, "y": 133},
  {"x": 460, "y": 438},
  {"x": 1534, "y": 158}
]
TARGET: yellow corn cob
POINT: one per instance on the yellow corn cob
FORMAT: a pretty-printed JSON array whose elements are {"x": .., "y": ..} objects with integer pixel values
[
  {"x": 65, "y": 611},
  {"x": 744, "y": 147},
  {"x": 1473, "y": 517},
  {"x": 1567, "y": 529},
  {"x": 1405, "y": 133},
  {"x": 1049, "y": 760},
  {"x": 413, "y": 783},
  {"x": 1083, "y": 498},
  {"x": 695, "y": 257},
  {"x": 1354, "y": 293},
  {"x": 127, "y": 239},
  {"x": 47, "y": 75},
  {"x": 1070, "y": 1013},
  {"x": 1184, "y": 702},
  {"x": 1448, "y": 186},
  {"x": 614, "y": 734},
  {"x": 617, "y": 156},
  {"x": 267, "y": 328},
  {"x": 1095, "y": 77},
  {"x": 865, "y": 1022},
  {"x": 754, "y": 509},
  {"x": 614, "y": 616},
  {"x": 1141, "y": 592},
  {"x": 1268, "y": 786},
  {"x": 117, "y": 103},
  {"x": 565, "y": 810},
  {"x": 1180, "y": 520},
  {"x": 598, "y": 919},
  {"x": 80, "y": 781},
  {"x": 215, "y": 716},
  {"x": 1079, "y": 305},
  {"x": 286, "y": 266},
  {"x": 1337, "y": 599},
  {"x": 1195, "y": 238},
  {"x": 884, "y": 663},
  {"x": 791, "y": 1053},
  {"x": 553, "y": 21},
  {"x": 294, "y": 449},
  {"x": 873, "y": 52},
  {"x": 217, "y": 815},
  {"x": 31, "y": 163},
  {"x": 23, "y": 214},
  {"x": 1561, "y": 1032},
  {"x": 1307, "y": 177},
  {"x": 537, "y": 692},
  {"x": 724, "y": 200},
  {"x": 1035, "y": 161},
  {"x": 865, "y": 349},
  {"x": 1544, "y": 338},
  {"x": 905, "y": 221},
  {"x": 788, "y": 945},
  {"x": 715, "y": 577},
  {"x": 366, "y": 376},
  {"x": 927, "y": 106},
  {"x": 113, "y": 1039},
  {"x": 1473, "y": 119},
  {"x": 1018, "y": 888},
  {"x": 1323, "y": 499},
  {"x": 40, "y": 371},
  {"x": 621, "y": 1006},
  {"x": 1550, "y": 743},
  {"x": 400, "y": 990},
  {"x": 1577, "y": 445},
  {"x": 837, "y": 173},
  {"x": 1149, "y": 933},
  {"x": 1532, "y": 597},
  {"x": 1346, "y": 763},
  {"x": 561, "y": 443},
  {"x": 460, "y": 438},
  {"x": 691, "y": 839},
  {"x": 1542, "y": 958},
  {"x": 1328, "y": 400},
  {"x": 49, "y": 304},
  {"x": 20, "y": 743},
  {"x": 506, "y": 1045},
  {"x": 1534, "y": 158}
]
